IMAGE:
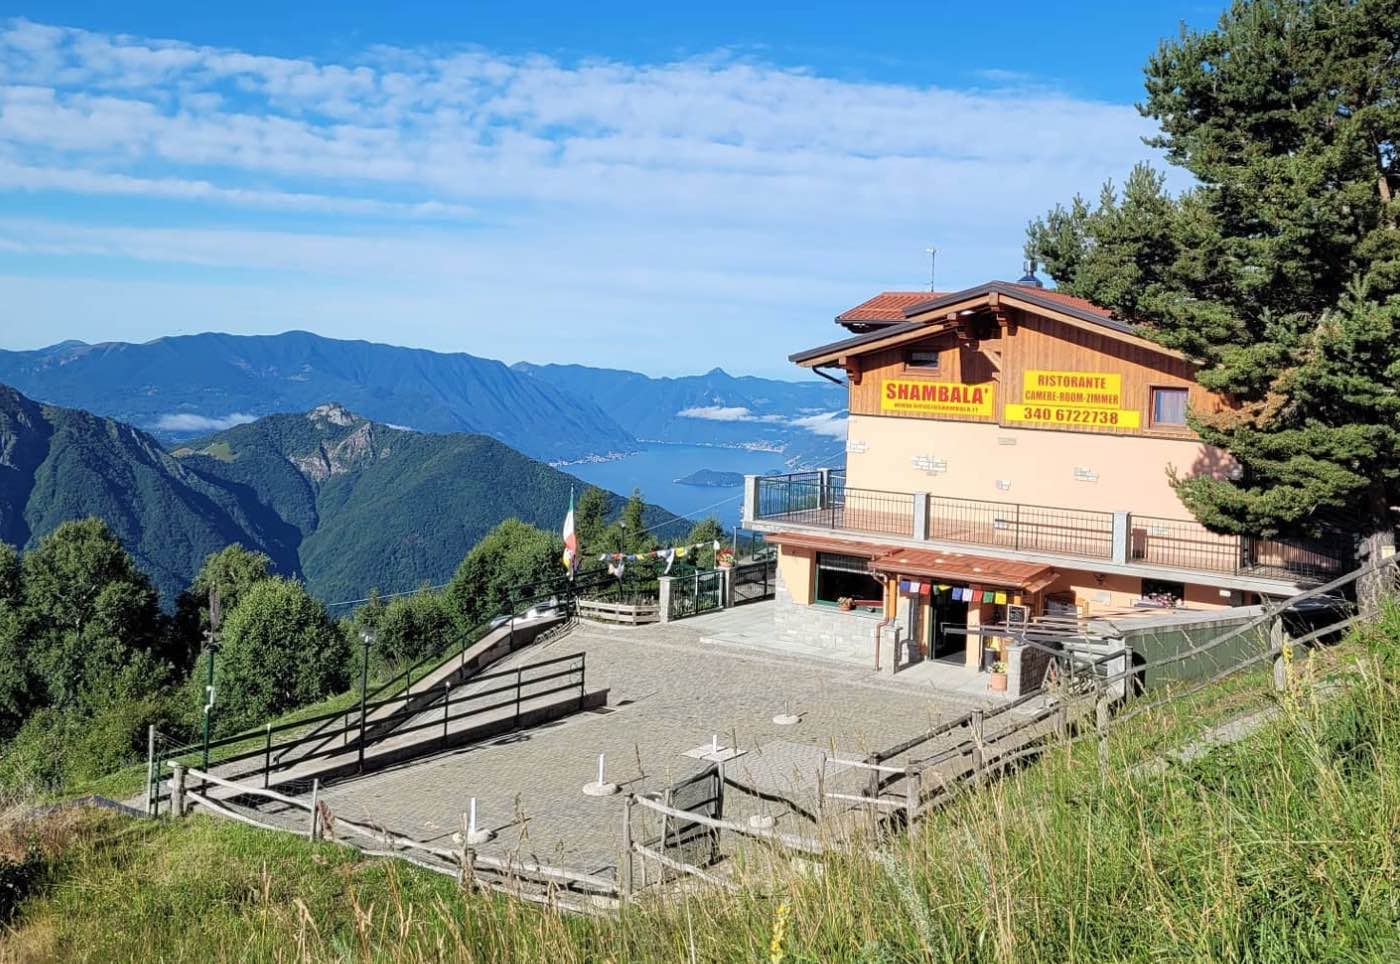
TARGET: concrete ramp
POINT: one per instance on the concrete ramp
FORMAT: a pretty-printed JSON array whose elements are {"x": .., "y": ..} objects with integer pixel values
[{"x": 423, "y": 693}]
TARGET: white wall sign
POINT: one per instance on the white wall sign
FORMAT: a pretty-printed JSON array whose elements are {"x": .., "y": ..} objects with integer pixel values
[
  {"x": 930, "y": 464},
  {"x": 855, "y": 447},
  {"x": 1081, "y": 474}
]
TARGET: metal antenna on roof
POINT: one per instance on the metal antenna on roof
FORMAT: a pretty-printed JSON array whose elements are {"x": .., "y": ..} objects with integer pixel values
[{"x": 932, "y": 264}]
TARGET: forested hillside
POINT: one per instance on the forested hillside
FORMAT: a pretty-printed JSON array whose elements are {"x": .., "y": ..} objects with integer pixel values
[
  {"x": 346, "y": 503},
  {"x": 379, "y": 506},
  {"x": 58, "y": 464}
]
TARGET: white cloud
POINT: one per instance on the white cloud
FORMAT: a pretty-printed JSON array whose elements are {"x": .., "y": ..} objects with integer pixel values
[
  {"x": 832, "y": 424},
  {"x": 435, "y": 193},
  {"x": 188, "y": 422},
  {"x": 718, "y": 413}
]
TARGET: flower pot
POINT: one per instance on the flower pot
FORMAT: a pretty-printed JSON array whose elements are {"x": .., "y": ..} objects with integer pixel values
[{"x": 998, "y": 682}]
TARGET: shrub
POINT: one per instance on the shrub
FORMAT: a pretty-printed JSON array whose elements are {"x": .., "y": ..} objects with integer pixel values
[{"x": 279, "y": 650}]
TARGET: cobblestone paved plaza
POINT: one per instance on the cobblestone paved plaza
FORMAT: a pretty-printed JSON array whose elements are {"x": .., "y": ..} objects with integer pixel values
[{"x": 670, "y": 691}]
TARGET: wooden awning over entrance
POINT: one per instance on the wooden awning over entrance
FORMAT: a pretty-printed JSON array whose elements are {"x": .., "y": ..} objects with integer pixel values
[
  {"x": 1024, "y": 577},
  {"x": 821, "y": 543}
]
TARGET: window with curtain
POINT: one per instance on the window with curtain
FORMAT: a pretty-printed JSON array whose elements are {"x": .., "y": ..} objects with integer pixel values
[{"x": 1168, "y": 406}]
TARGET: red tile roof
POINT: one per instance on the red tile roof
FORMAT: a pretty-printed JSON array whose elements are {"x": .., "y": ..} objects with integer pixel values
[
  {"x": 1083, "y": 304},
  {"x": 887, "y": 306},
  {"x": 890, "y": 307}
]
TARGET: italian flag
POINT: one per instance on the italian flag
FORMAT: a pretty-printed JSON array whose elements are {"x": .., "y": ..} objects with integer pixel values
[{"x": 570, "y": 539}]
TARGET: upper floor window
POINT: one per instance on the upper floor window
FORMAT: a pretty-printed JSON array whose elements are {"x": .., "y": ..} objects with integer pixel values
[
  {"x": 1169, "y": 406},
  {"x": 922, "y": 359}
]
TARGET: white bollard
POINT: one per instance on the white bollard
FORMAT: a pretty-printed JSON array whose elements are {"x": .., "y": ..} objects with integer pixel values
[
  {"x": 786, "y": 717},
  {"x": 473, "y": 835},
  {"x": 600, "y": 787}
]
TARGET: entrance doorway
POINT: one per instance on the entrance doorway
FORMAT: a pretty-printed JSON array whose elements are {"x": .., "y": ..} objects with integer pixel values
[{"x": 947, "y": 613}]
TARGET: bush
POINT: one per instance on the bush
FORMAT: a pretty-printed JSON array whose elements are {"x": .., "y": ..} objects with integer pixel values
[
  {"x": 513, "y": 558},
  {"x": 279, "y": 650},
  {"x": 413, "y": 628}
]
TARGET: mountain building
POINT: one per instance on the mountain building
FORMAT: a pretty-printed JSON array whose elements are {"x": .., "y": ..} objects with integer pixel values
[{"x": 1009, "y": 455}]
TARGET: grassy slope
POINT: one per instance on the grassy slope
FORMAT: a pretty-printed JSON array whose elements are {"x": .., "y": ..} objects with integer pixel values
[{"x": 1285, "y": 847}]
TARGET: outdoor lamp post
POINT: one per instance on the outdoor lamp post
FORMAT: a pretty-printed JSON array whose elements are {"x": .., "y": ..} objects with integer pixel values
[
  {"x": 367, "y": 638},
  {"x": 211, "y": 646}
]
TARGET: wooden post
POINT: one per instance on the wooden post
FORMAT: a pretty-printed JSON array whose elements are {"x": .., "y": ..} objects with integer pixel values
[
  {"x": 912, "y": 779},
  {"x": 975, "y": 724},
  {"x": 821, "y": 790},
  {"x": 626, "y": 866},
  {"x": 151, "y": 790},
  {"x": 267, "y": 758},
  {"x": 177, "y": 789},
  {"x": 315, "y": 833},
  {"x": 1101, "y": 726},
  {"x": 1062, "y": 718},
  {"x": 468, "y": 858}
]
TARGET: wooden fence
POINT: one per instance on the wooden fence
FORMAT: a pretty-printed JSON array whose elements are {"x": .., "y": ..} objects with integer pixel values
[
  {"x": 635, "y": 612},
  {"x": 558, "y": 887}
]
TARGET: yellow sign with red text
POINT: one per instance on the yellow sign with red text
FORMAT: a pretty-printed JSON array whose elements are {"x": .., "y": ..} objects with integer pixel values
[
  {"x": 917, "y": 396},
  {"x": 1073, "y": 400}
]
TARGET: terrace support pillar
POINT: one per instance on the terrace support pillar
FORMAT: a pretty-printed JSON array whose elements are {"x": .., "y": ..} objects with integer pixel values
[
  {"x": 920, "y": 515},
  {"x": 823, "y": 488},
  {"x": 972, "y": 657},
  {"x": 750, "y": 500},
  {"x": 663, "y": 596},
  {"x": 1122, "y": 525}
]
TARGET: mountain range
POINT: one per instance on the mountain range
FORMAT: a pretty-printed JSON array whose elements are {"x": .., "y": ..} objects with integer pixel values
[
  {"x": 342, "y": 501},
  {"x": 184, "y": 387}
]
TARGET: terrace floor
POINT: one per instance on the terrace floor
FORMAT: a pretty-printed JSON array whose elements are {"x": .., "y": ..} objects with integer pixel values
[{"x": 673, "y": 688}]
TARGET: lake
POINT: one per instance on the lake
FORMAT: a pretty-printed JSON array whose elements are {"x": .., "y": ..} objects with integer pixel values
[{"x": 654, "y": 468}]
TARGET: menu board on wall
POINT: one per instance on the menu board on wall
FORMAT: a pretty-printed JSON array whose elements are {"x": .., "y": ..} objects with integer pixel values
[
  {"x": 921, "y": 396},
  {"x": 1073, "y": 400}
]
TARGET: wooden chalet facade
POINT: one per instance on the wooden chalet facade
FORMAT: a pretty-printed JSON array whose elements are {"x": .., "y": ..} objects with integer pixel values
[{"x": 1006, "y": 446}]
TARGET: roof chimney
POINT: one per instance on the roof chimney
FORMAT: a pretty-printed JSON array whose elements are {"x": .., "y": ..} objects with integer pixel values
[{"x": 1029, "y": 277}]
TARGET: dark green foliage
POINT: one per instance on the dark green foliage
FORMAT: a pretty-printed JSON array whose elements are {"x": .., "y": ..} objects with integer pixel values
[
  {"x": 94, "y": 632},
  {"x": 379, "y": 506},
  {"x": 343, "y": 501},
  {"x": 232, "y": 571},
  {"x": 72, "y": 465},
  {"x": 414, "y": 627},
  {"x": 513, "y": 558},
  {"x": 278, "y": 650},
  {"x": 82, "y": 659},
  {"x": 1280, "y": 268},
  {"x": 706, "y": 533},
  {"x": 18, "y": 879},
  {"x": 591, "y": 518}
]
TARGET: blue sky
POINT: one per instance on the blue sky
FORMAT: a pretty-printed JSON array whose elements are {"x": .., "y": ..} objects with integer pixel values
[{"x": 632, "y": 185}]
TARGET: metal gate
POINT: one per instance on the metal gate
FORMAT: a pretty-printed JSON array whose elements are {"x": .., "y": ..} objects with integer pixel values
[
  {"x": 697, "y": 593},
  {"x": 755, "y": 581},
  {"x": 685, "y": 840}
]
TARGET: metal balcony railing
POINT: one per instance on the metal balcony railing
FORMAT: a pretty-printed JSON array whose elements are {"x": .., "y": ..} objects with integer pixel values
[
  {"x": 1010, "y": 525},
  {"x": 824, "y": 501}
]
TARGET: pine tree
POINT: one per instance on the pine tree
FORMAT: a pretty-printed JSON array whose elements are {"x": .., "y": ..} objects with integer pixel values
[{"x": 1279, "y": 269}]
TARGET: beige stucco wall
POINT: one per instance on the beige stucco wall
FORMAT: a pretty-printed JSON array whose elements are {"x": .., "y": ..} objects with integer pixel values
[
  {"x": 1039, "y": 464},
  {"x": 1103, "y": 591},
  {"x": 795, "y": 569}
]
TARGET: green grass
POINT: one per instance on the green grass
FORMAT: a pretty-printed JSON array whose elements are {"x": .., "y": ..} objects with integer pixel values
[{"x": 1284, "y": 847}]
